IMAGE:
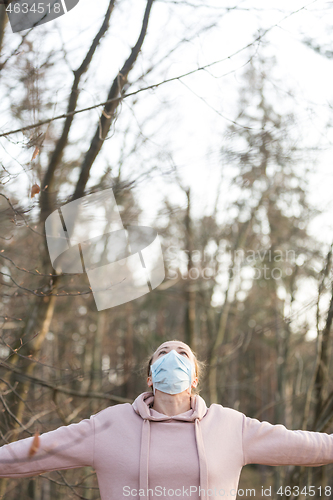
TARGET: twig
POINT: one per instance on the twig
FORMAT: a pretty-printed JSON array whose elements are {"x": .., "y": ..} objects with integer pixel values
[{"x": 64, "y": 390}]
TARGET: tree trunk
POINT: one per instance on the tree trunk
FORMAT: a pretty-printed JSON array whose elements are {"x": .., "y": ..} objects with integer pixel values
[
  {"x": 109, "y": 112},
  {"x": 47, "y": 191},
  {"x": 189, "y": 285},
  {"x": 97, "y": 352},
  {"x": 128, "y": 352},
  {"x": 3, "y": 23}
]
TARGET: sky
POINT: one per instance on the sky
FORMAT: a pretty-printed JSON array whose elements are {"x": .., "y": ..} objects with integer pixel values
[
  {"x": 185, "y": 120},
  {"x": 194, "y": 136}
]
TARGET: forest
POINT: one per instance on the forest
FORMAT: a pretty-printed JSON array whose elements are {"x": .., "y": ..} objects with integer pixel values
[{"x": 189, "y": 111}]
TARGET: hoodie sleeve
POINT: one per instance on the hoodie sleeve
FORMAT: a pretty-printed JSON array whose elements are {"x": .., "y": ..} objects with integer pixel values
[
  {"x": 267, "y": 444},
  {"x": 67, "y": 447}
]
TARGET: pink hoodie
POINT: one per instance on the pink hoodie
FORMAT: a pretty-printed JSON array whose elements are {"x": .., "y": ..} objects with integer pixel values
[{"x": 140, "y": 453}]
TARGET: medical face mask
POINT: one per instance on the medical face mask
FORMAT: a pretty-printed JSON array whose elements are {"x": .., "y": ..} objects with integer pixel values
[{"x": 172, "y": 373}]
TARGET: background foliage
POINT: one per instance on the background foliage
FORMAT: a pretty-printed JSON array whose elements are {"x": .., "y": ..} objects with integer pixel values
[{"x": 247, "y": 282}]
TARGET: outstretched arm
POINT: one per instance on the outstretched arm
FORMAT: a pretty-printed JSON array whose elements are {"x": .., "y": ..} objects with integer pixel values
[
  {"x": 67, "y": 447},
  {"x": 264, "y": 443}
]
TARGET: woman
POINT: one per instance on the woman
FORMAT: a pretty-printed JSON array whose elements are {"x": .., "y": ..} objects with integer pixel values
[{"x": 167, "y": 443}]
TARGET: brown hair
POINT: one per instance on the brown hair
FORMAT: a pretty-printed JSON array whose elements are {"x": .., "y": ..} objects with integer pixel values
[{"x": 199, "y": 365}]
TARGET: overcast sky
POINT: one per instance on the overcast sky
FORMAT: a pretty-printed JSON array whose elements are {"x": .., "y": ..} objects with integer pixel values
[
  {"x": 192, "y": 113},
  {"x": 185, "y": 120}
]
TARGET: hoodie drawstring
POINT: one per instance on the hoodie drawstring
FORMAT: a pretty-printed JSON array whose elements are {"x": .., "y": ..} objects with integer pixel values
[
  {"x": 144, "y": 459},
  {"x": 202, "y": 460}
]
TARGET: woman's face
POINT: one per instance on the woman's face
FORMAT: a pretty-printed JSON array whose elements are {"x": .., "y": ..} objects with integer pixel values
[{"x": 180, "y": 348}]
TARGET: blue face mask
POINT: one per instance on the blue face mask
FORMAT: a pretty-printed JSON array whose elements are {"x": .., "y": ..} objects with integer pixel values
[{"x": 172, "y": 373}]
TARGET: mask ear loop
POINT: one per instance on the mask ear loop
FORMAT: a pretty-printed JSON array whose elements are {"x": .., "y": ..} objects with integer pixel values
[
  {"x": 152, "y": 380},
  {"x": 195, "y": 374}
]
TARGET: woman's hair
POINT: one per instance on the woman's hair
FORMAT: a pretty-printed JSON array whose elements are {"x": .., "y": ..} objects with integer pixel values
[{"x": 199, "y": 365}]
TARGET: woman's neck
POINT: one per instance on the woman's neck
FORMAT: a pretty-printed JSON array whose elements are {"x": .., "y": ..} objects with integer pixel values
[{"x": 172, "y": 404}]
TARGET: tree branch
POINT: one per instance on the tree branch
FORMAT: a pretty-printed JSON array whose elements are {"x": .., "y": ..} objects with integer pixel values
[
  {"x": 39, "y": 381},
  {"x": 109, "y": 112},
  {"x": 48, "y": 180}
]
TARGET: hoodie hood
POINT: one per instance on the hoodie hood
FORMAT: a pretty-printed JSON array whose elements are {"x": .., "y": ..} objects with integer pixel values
[
  {"x": 142, "y": 406},
  {"x": 143, "y": 403}
]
